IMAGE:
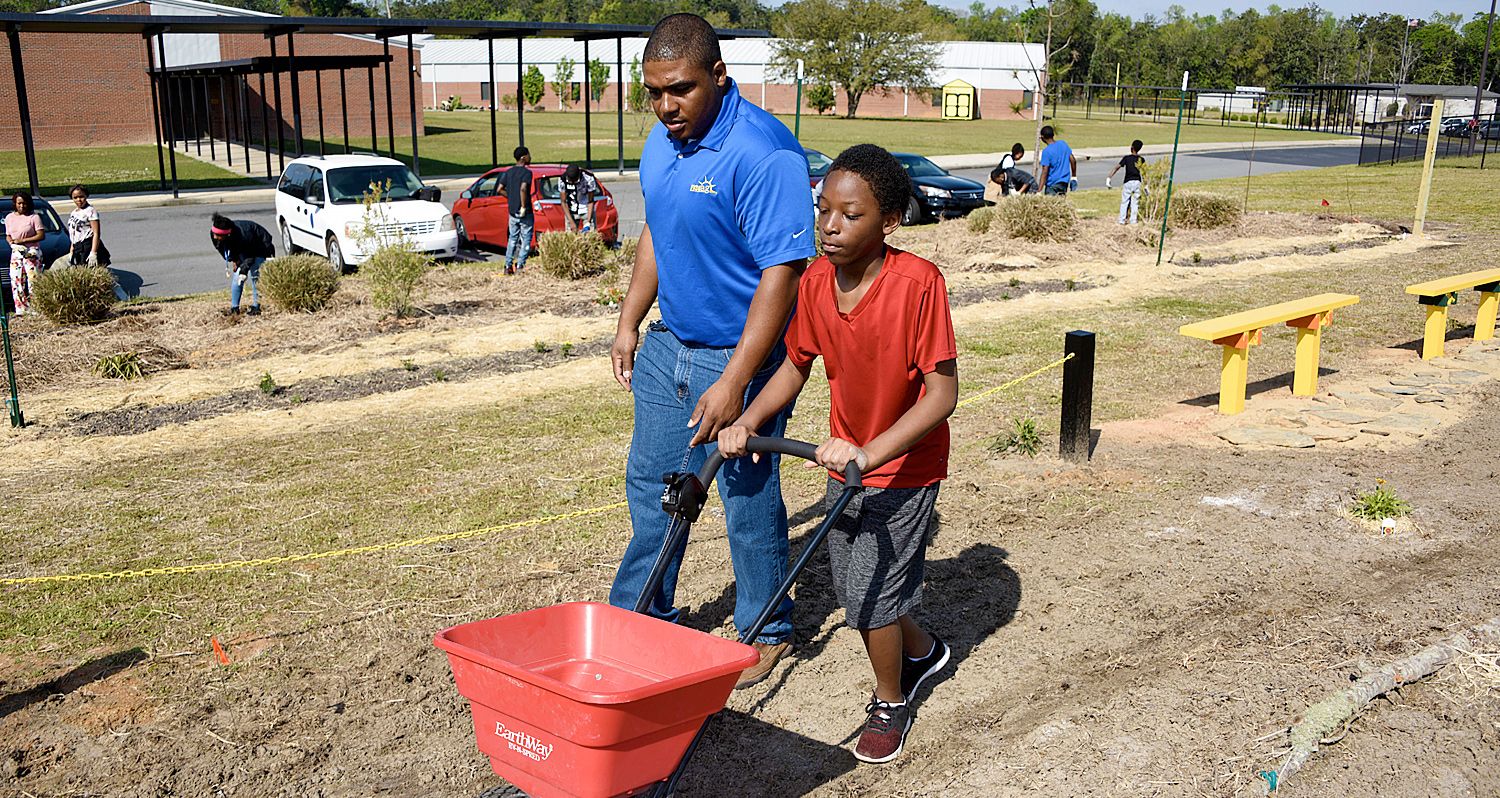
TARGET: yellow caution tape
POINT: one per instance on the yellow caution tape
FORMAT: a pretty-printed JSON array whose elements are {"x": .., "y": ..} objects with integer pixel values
[
  {"x": 210, "y": 567},
  {"x": 229, "y": 565}
]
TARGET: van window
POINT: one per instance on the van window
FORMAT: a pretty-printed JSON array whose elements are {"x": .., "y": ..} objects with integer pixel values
[
  {"x": 294, "y": 180},
  {"x": 315, "y": 186}
]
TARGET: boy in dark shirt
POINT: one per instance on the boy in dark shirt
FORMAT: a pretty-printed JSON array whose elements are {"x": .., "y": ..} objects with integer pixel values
[
  {"x": 244, "y": 245},
  {"x": 1130, "y": 190},
  {"x": 879, "y": 318},
  {"x": 1011, "y": 177},
  {"x": 516, "y": 182}
]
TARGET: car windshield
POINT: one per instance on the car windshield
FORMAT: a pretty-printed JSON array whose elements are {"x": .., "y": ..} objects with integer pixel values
[
  {"x": 917, "y": 166},
  {"x": 817, "y": 163},
  {"x": 350, "y": 184}
]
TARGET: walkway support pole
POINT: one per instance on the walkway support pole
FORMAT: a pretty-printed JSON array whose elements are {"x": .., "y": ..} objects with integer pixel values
[
  {"x": 620, "y": 102},
  {"x": 494, "y": 102}
]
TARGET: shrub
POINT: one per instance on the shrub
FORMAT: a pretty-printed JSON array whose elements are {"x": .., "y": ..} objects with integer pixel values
[
  {"x": 572, "y": 256},
  {"x": 1023, "y": 439},
  {"x": 1379, "y": 504},
  {"x": 120, "y": 366},
  {"x": 299, "y": 283},
  {"x": 76, "y": 295},
  {"x": 981, "y": 219},
  {"x": 394, "y": 272},
  {"x": 1036, "y": 217},
  {"x": 1154, "y": 178},
  {"x": 820, "y": 97},
  {"x": 1202, "y": 210},
  {"x": 533, "y": 85}
]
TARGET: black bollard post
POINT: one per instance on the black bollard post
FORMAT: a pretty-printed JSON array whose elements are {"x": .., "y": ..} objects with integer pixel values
[{"x": 1074, "y": 435}]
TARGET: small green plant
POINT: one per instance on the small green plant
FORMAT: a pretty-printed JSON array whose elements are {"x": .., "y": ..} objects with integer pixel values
[
  {"x": 297, "y": 398},
  {"x": 75, "y": 295},
  {"x": 1197, "y": 257},
  {"x": 572, "y": 256},
  {"x": 1333, "y": 247},
  {"x": 440, "y": 375},
  {"x": 1379, "y": 504},
  {"x": 1070, "y": 284},
  {"x": 610, "y": 296},
  {"x": 1022, "y": 439},
  {"x": 566, "y": 348},
  {"x": 1014, "y": 282},
  {"x": 1004, "y": 295},
  {"x": 268, "y": 384},
  {"x": 540, "y": 347},
  {"x": 299, "y": 283},
  {"x": 409, "y": 364},
  {"x": 120, "y": 366}
]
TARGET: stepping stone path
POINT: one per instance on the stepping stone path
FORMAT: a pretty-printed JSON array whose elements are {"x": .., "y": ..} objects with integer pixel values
[{"x": 1383, "y": 410}]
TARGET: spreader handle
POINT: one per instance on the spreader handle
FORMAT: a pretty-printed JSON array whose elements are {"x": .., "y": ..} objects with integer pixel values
[{"x": 760, "y": 445}]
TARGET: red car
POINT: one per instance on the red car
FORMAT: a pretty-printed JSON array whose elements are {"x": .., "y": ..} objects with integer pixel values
[{"x": 481, "y": 212}]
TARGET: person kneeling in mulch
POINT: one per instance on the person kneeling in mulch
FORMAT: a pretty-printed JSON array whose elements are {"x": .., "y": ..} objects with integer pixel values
[
  {"x": 879, "y": 317},
  {"x": 245, "y": 246}
]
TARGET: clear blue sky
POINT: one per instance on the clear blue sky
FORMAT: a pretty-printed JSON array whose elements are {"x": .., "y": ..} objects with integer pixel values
[{"x": 1342, "y": 8}]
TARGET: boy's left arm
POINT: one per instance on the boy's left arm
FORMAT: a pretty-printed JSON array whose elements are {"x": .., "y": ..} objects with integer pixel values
[{"x": 937, "y": 404}]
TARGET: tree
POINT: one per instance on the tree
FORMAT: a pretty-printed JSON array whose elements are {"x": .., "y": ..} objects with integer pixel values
[
  {"x": 598, "y": 78},
  {"x": 820, "y": 97},
  {"x": 860, "y": 45},
  {"x": 635, "y": 96},
  {"x": 322, "y": 8},
  {"x": 562, "y": 82},
  {"x": 533, "y": 85}
]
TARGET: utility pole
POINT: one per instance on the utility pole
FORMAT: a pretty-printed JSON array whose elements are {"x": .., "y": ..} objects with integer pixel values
[{"x": 1484, "y": 65}]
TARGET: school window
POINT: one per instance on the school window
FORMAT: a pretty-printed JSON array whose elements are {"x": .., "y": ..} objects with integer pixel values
[
  {"x": 936, "y": 95},
  {"x": 1027, "y": 98},
  {"x": 486, "y": 91}
]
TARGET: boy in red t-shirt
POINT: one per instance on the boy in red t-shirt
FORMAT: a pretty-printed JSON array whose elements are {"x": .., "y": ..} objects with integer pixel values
[{"x": 879, "y": 317}]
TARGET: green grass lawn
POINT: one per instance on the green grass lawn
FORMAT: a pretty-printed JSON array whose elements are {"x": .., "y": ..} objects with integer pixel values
[
  {"x": 108, "y": 170},
  {"x": 1461, "y": 192}
]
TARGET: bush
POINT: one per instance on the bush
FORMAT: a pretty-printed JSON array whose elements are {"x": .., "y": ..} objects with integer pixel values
[
  {"x": 1036, "y": 217},
  {"x": 572, "y": 256},
  {"x": 1202, "y": 210},
  {"x": 394, "y": 272},
  {"x": 76, "y": 295},
  {"x": 120, "y": 366},
  {"x": 299, "y": 283},
  {"x": 981, "y": 219}
]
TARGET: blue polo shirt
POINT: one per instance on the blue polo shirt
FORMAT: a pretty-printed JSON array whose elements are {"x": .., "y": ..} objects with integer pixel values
[
  {"x": 721, "y": 209},
  {"x": 1055, "y": 158}
]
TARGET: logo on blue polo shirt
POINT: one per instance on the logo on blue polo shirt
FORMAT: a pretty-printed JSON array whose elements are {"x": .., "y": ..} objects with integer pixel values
[{"x": 704, "y": 186}]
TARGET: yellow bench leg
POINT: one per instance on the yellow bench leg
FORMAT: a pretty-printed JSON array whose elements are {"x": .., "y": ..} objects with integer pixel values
[
  {"x": 1436, "y": 333},
  {"x": 1305, "y": 378},
  {"x": 1232, "y": 379},
  {"x": 1484, "y": 324}
]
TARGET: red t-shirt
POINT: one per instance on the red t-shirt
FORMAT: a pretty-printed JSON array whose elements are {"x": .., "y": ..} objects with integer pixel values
[{"x": 875, "y": 357}]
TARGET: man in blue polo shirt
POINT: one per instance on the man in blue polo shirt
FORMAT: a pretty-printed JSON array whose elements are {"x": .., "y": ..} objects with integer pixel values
[
  {"x": 728, "y": 232},
  {"x": 1058, "y": 165}
]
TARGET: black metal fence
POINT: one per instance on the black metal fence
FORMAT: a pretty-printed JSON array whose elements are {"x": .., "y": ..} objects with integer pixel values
[
  {"x": 1218, "y": 107},
  {"x": 1406, "y": 140}
]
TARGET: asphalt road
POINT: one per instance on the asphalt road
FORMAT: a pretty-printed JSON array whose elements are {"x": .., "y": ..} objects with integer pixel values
[{"x": 166, "y": 251}]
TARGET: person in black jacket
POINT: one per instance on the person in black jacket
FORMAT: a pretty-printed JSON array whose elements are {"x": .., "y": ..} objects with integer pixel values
[{"x": 244, "y": 245}]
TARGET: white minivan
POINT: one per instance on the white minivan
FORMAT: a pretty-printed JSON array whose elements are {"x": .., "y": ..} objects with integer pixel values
[{"x": 320, "y": 208}]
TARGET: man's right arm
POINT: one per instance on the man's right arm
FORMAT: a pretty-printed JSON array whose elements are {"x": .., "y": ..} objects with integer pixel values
[{"x": 638, "y": 300}]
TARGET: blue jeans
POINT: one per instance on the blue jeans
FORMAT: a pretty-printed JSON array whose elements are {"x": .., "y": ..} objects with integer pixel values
[
  {"x": 249, "y": 273},
  {"x": 518, "y": 248},
  {"x": 1056, "y": 189},
  {"x": 669, "y": 379},
  {"x": 1130, "y": 200}
]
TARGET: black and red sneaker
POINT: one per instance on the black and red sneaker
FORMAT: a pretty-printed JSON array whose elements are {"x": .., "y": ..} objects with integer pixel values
[
  {"x": 916, "y": 671},
  {"x": 884, "y": 732}
]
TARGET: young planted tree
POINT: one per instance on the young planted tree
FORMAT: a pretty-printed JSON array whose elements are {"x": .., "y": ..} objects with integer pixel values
[
  {"x": 562, "y": 82},
  {"x": 533, "y": 86},
  {"x": 860, "y": 45},
  {"x": 820, "y": 97},
  {"x": 598, "y": 79},
  {"x": 635, "y": 96}
]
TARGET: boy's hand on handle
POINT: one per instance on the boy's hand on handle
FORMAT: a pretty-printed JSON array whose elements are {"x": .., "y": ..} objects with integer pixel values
[
  {"x": 836, "y": 454},
  {"x": 733, "y": 441},
  {"x": 622, "y": 355},
  {"x": 717, "y": 408}
]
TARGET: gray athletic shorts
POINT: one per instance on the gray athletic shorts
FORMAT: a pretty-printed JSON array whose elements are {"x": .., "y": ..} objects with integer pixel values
[{"x": 877, "y": 549}]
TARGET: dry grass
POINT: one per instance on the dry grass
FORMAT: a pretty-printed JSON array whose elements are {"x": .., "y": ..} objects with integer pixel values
[
  {"x": 1035, "y": 217},
  {"x": 299, "y": 283},
  {"x": 1202, "y": 210},
  {"x": 75, "y": 295},
  {"x": 572, "y": 256}
]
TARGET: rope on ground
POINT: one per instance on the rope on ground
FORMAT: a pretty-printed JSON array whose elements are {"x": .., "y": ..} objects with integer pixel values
[
  {"x": 1017, "y": 381},
  {"x": 211, "y": 567},
  {"x": 231, "y": 565}
]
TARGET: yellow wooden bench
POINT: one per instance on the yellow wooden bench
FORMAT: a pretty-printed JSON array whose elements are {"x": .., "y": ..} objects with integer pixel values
[
  {"x": 1437, "y": 295},
  {"x": 1237, "y": 331}
]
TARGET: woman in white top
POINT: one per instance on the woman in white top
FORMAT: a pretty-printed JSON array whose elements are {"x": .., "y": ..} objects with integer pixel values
[{"x": 83, "y": 231}]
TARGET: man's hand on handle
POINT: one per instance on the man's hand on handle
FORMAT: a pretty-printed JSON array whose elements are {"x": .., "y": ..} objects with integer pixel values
[
  {"x": 734, "y": 441},
  {"x": 719, "y": 406},
  {"x": 622, "y": 355}
]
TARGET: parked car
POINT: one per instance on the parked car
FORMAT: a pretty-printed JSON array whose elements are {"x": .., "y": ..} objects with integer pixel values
[
  {"x": 481, "y": 213},
  {"x": 935, "y": 192},
  {"x": 54, "y": 246},
  {"x": 320, "y": 208},
  {"x": 817, "y": 166},
  {"x": 1417, "y": 127}
]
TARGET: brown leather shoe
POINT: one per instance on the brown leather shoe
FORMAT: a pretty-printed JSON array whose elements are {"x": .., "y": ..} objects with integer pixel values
[{"x": 770, "y": 654}]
